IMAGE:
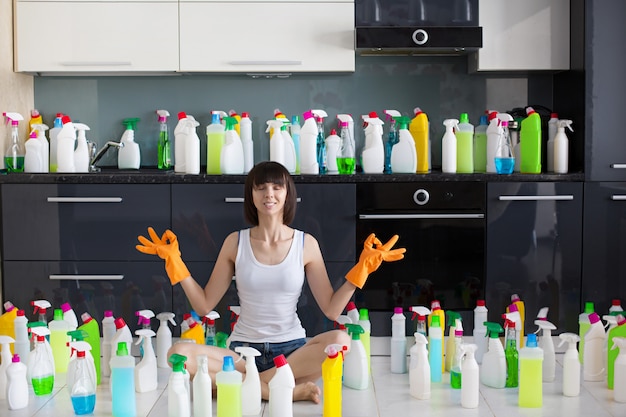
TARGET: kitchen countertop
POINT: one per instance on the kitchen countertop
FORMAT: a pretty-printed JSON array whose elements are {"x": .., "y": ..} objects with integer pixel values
[{"x": 155, "y": 176}]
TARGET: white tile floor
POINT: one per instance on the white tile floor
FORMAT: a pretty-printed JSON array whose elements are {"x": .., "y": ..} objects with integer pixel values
[{"x": 387, "y": 396}]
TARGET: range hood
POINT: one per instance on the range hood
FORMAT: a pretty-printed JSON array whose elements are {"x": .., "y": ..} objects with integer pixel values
[{"x": 418, "y": 40}]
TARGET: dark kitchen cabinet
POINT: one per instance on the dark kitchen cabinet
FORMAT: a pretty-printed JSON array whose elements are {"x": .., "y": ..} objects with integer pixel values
[
  {"x": 534, "y": 247},
  {"x": 604, "y": 233}
]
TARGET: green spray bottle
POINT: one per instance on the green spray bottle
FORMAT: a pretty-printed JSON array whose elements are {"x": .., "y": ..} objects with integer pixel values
[
  {"x": 392, "y": 138},
  {"x": 178, "y": 399},
  {"x": 493, "y": 367},
  {"x": 511, "y": 355},
  {"x": 530, "y": 143},
  {"x": 403, "y": 154},
  {"x": 450, "y": 343},
  {"x": 164, "y": 157},
  {"x": 129, "y": 156}
]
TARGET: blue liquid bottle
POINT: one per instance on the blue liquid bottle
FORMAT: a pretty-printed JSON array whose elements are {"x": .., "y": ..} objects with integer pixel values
[
  {"x": 123, "y": 383},
  {"x": 435, "y": 340},
  {"x": 83, "y": 390}
]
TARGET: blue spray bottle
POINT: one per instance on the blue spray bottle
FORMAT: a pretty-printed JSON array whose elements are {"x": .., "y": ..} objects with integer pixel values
[
  {"x": 392, "y": 138},
  {"x": 321, "y": 139}
]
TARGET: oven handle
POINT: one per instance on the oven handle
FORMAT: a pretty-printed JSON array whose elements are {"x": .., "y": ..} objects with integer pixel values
[
  {"x": 420, "y": 216},
  {"x": 536, "y": 197}
]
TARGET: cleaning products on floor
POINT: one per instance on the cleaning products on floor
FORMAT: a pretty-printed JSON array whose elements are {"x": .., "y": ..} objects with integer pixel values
[
  {"x": 493, "y": 368},
  {"x": 281, "y": 389},
  {"x": 530, "y": 380},
  {"x": 177, "y": 392},
  {"x": 228, "y": 382},
  {"x": 398, "y": 342},
  {"x": 251, "y": 386},
  {"x": 470, "y": 377},
  {"x": 123, "y": 397},
  {"x": 202, "y": 389},
  {"x": 571, "y": 365},
  {"x": 146, "y": 369},
  {"x": 355, "y": 374},
  {"x": 164, "y": 337},
  {"x": 332, "y": 374}
]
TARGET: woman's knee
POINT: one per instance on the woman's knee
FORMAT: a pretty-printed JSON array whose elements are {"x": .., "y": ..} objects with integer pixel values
[{"x": 338, "y": 337}]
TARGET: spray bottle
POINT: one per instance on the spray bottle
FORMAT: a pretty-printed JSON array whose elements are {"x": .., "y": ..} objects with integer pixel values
[
  {"x": 583, "y": 327},
  {"x": 455, "y": 367},
  {"x": 164, "y": 157},
  {"x": 355, "y": 374},
  {"x": 346, "y": 155},
  {"x": 320, "y": 143},
  {"x": 419, "y": 131},
  {"x": 108, "y": 332},
  {"x": 494, "y": 131},
  {"x": 209, "y": 333},
  {"x": 530, "y": 145},
  {"x": 66, "y": 141},
  {"x": 14, "y": 155},
  {"x": 231, "y": 157},
  {"x": 515, "y": 300},
  {"x": 403, "y": 156},
  {"x": 594, "y": 367},
  {"x": 59, "y": 340},
  {"x": 290, "y": 149},
  {"x": 480, "y": 331},
  {"x": 192, "y": 145},
  {"x": 448, "y": 147},
  {"x": 33, "y": 161},
  {"x": 553, "y": 126},
  {"x": 164, "y": 337},
  {"x": 77, "y": 338},
  {"x": 366, "y": 325},
  {"x": 511, "y": 355},
  {"x": 228, "y": 382},
  {"x": 480, "y": 153},
  {"x": 83, "y": 387},
  {"x": 146, "y": 370},
  {"x": 546, "y": 344},
  {"x": 571, "y": 365},
  {"x": 17, "y": 384},
  {"x": 530, "y": 393},
  {"x": 398, "y": 342},
  {"x": 505, "y": 156},
  {"x": 81, "y": 153},
  {"x": 41, "y": 308},
  {"x": 332, "y": 374},
  {"x": 493, "y": 368},
  {"x": 308, "y": 145},
  {"x": 436, "y": 310},
  {"x": 41, "y": 363},
  {"x": 7, "y": 320},
  {"x": 177, "y": 394},
  {"x": 245, "y": 127},
  {"x": 251, "y": 386},
  {"x": 333, "y": 147},
  {"x": 450, "y": 346},
  {"x": 618, "y": 331},
  {"x": 464, "y": 145},
  {"x": 202, "y": 389},
  {"x": 435, "y": 353},
  {"x": 54, "y": 133},
  {"x": 277, "y": 141},
  {"x": 561, "y": 148},
  {"x": 619, "y": 387},
  {"x": 22, "y": 341},
  {"x": 373, "y": 156},
  {"x": 215, "y": 135},
  {"x": 420, "y": 312},
  {"x": 129, "y": 156},
  {"x": 180, "y": 139},
  {"x": 123, "y": 397},
  {"x": 392, "y": 138},
  {"x": 5, "y": 356},
  {"x": 419, "y": 369},
  {"x": 294, "y": 131},
  {"x": 470, "y": 378},
  {"x": 41, "y": 128}
]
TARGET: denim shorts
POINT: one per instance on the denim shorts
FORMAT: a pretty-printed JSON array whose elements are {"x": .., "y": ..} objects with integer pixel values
[{"x": 270, "y": 350}]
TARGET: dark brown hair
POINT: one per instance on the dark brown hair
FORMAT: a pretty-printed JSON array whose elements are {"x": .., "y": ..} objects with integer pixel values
[{"x": 275, "y": 173}]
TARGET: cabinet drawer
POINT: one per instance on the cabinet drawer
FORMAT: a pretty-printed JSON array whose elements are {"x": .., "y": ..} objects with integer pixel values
[
  {"x": 80, "y": 222},
  {"x": 93, "y": 287}
]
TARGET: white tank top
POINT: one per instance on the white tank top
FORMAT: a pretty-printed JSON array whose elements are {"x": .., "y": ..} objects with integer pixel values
[{"x": 268, "y": 294}]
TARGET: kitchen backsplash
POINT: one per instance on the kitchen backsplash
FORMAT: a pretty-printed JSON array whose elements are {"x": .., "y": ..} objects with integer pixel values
[{"x": 440, "y": 86}]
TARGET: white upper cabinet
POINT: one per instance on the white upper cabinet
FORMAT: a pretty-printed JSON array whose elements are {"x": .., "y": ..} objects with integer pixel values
[
  {"x": 77, "y": 36},
  {"x": 261, "y": 37},
  {"x": 523, "y": 36}
]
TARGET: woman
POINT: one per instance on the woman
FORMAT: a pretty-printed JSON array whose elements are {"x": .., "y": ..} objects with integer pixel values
[{"x": 270, "y": 262}]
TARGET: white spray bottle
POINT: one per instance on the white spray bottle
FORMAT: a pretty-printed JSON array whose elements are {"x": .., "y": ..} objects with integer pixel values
[
  {"x": 41, "y": 128},
  {"x": 277, "y": 141},
  {"x": 41, "y": 363},
  {"x": 146, "y": 370},
  {"x": 232, "y": 156},
  {"x": 373, "y": 157},
  {"x": 66, "y": 140},
  {"x": 419, "y": 369},
  {"x": 178, "y": 403},
  {"x": 333, "y": 145},
  {"x": 251, "y": 386},
  {"x": 290, "y": 149},
  {"x": 180, "y": 138},
  {"x": 553, "y": 127},
  {"x": 81, "y": 153},
  {"x": 5, "y": 355},
  {"x": 493, "y": 368},
  {"x": 192, "y": 145},
  {"x": 83, "y": 387},
  {"x": 619, "y": 379},
  {"x": 571, "y": 365},
  {"x": 355, "y": 373},
  {"x": 547, "y": 345},
  {"x": 448, "y": 147},
  {"x": 129, "y": 155},
  {"x": 164, "y": 337},
  {"x": 494, "y": 131},
  {"x": 469, "y": 377},
  {"x": 561, "y": 147},
  {"x": 41, "y": 308},
  {"x": 308, "y": 145},
  {"x": 404, "y": 154}
]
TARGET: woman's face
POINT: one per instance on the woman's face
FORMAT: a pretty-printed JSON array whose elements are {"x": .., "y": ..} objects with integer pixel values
[{"x": 269, "y": 198}]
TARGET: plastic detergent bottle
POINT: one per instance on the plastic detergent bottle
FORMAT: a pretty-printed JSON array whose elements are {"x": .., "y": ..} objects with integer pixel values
[
  {"x": 398, "y": 342},
  {"x": 59, "y": 340},
  {"x": 494, "y": 131},
  {"x": 122, "y": 334},
  {"x": 419, "y": 369},
  {"x": 290, "y": 149},
  {"x": 352, "y": 312},
  {"x": 455, "y": 368},
  {"x": 355, "y": 373},
  {"x": 32, "y": 156},
  {"x": 281, "y": 389},
  {"x": 122, "y": 382},
  {"x": 83, "y": 386},
  {"x": 215, "y": 135},
  {"x": 469, "y": 379},
  {"x": 403, "y": 156},
  {"x": 333, "y": 147},
  {"x": 373, "y": 156},
  {"x": 392, "y": 139},
  {"x": 251, "y": 386},
  {"x": 594, "y": 366},
  {"x": 583, "y": 327},
  {"x": 277, "y": 141},
  {"x": 164, "y": 153},
  {"x": 464, "y": 145},
  {"x": 5, "y": 355},
  {"x": 308, "y": 145},
  {"x": 195, "y": 332},
  {"x": 202, "y": 390},
  {"x": 41, "y": 128},
  {"x": 22, "y": 341},
  {"x": 332, "y": 374},
  {"x": 294, "y": 132},
  {"x": 192, "y": 145},
  {"x": 7, "y": 320},
  {"x": 108, "y": 332},
  {"x": 547, "y": 345},
  {"x": 480, "y": 331},
  {"x": 66, "y": 141},
  {"x": 553, "y": 126},
  {"x": 530, "y": 145},
  {"x": 146, "y": 370},
  {"x": 54, "y": 132},
  {"x": 180, "y": 135},
  {"x": 419, "y": 131},
  {"x": 511, "y": 355},
  {"x": 346, "y": 157},
  {"x": 480, "y": 148},
  {"x": 571, "y": 365},
  {"x": 129, "y": 155},
  {"x": 520, "y": 325},
  {"x": 41, "y": 363},
  {"x": 561, "y": 148},
  {"x": 493, "y": 368},
  {"x": 436, "y": 310},
  {"x": 177, "y": 395},
  {"x": 164, "y": 337},
  {"x": 448, "y": 147},
  {"x": 81, "y": 153},
  {"x": 17, "y": 384},
  {"x": 450, "y": 346},
  {"x": 530, "y": 385},
  {"x": 14, "y": 155},
  {"x": 69, "y": 315},
  {"x": 228, "y": 382},
  {"x": 619, "y": 387},
  {"x": 618, "y": 331},
  {"x": 91, "y": 327},
  {"x": 321, "y": 145},
  {"x": 364, "y": 322},
  {"x": 231, "y": 158},
  {"x": 245, "y": 127},
  {"x": 435, "y": 353}
]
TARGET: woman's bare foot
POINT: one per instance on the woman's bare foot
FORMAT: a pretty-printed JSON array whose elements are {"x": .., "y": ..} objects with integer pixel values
[{"x": 307, "y": 391}]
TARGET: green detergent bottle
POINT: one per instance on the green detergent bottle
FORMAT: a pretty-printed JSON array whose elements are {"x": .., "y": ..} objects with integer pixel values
[
  {"x": 530, "y": 143},
  {"x": 618, "y": 331},
  {"x": 464, "y": 145}
]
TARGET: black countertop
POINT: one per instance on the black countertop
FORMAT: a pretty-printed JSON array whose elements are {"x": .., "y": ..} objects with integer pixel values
[{"x": 155, "y": 176}]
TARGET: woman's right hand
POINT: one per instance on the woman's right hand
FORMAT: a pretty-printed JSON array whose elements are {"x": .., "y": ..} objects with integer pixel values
[{"x": 166, "y": 247}]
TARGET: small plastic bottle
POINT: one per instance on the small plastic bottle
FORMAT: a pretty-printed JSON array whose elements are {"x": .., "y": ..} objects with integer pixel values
[
  {"x": 480, "y": 331},
  {"x": 583, "y": 327},
  {"x": 202, "y": 390},
  {"x": 464, "y": 145},
  {"x": 164, "y": 337},
  {"x": 419, "y": 369},
  {"x": 228, "y": 382},
  {"x": 332, "y": 374},
  {"x": 17, "y": 384},
  {"x": 245, "y": 127},
  {"x": 470, "y": 378},
  {"x": 108, "y": 332},
  {"x": 553, "y": 125},
  {"x": 59, "y": 340},
  {"x": 530, "y": 380},
  {"x": 123, "y": 383},
  {"x": 448, "y": 147},
  {"x": 435, "y": 353},
  {"x": 178, "y": 404},
  {"x": 547, "y": 345},
  {"x": 571, "y": 365},
  {"x": 22, "y": 341},
  {"x": 561, "y": 148},
  {"x": 594, "y": 367},
  {"x": 164, "y": 154},
  {"x": 281, "y": 389},
  {"x": 530, "y": 146},
  {"x": 251, "y": 386},
  {"x": 333, "y": 147},
  {"x": 480, "y": 147},
  {"x": 5, "y": 355},
  {"x": 398, "y": 342}
]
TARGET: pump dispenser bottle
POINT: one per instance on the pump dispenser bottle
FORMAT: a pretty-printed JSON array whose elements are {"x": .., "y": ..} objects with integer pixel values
[
  {"x": 164, "y": 157},
  {"x": 419, "y": 369},
  {"x": 571, "y": 365},
  {"x": 251, "y": 386},
  {"x": 449, "y": 147},
  {"x": 403, "y": 156},
  {"x": 129, "y": 156}
]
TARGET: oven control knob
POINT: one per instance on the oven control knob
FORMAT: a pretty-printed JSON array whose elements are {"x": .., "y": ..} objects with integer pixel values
[
  {"x": 448, "y": 196},
  {"x": 421, "y": 197}
]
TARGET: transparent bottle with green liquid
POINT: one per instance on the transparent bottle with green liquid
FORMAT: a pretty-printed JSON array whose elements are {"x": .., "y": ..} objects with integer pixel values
[
  {"x": 464, "y": 145},
  {"x": 164, "y": 157},
  {"x": 345, "y": 155},
  {"x": 511, "y": 355}
]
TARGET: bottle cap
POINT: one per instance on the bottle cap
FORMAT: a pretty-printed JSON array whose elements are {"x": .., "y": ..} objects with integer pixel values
[
  {"x": 58, "y": 314},
  {"x": 66, "y": 307},
  {"x": 8, "y": 306},
  {"x": 351, "y": 306},
  {"x": 86, "y": 317},
  {"x": 66, "y": 119},
  {"x": 480, "y": 303},
  {"x": 594, "y": 318},
  {"x": 512, "y": 308},
  {"x": 15, "y": 358},
  {"x": 122, "y": 349},
  {"x": 435, "y": 305},
  {"x": 458, "y": 333},
  {"x": 20, "y": 313},
  {"x": 589, "y": 307},
  {"x": 616, "y": 302},
  {"x": 182, "y": 115},
  {"x": 280, "y": 360},
  {"x": 364, "y": 314},
  {"x": 464, "y": 118},
  {"x": 108, "y": 313},
  {"x": 245, "y": 114},
  {"x": 435, "y": 321},
  {"x": 333, "y": 131},
  {"x": 515, "y": 298},
  {"x": 397, "y": 310},
  {"x": 531, "y": 340},
  {"x": 119, "y": 323},
  {"x": 554, "y": 115},
  {"x": 229, "y": 364}
]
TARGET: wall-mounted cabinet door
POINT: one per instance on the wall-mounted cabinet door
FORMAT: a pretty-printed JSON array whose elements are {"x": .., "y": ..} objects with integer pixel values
[{"x": 534, "y": 247}]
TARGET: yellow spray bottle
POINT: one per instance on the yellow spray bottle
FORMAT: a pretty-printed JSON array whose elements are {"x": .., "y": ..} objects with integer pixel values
[
  {"x": 419, "y": 130},
  {"x": 332, "y": 375}
]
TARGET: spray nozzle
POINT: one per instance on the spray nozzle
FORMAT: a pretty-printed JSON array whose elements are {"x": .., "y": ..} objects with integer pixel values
[
  {"x": 248, "y": 353},
  {"x": 319, "y": 114},
  {"x": 178, "y": 362},
  {"x": 210, "y": 317},
  {"x": 565, "y": 124},
  {"x": 80, "y": 346},
  {"x": 355, "y": 330},
  {"x": 163, "y": 114},
  {"x": 40, "y": 331},
  {"x": 392, "y": 114},
  {"x": 145, "y": 333},
  {"x": 274, "y": 124},
  {"x": 504, "y": 117},
  {"x": 130, "y": 123},
  {"x": 420, "y": 339},
  {"x": 165, "y": 317},
  {"x": 144, "y": 316},
  {"x": 611, "y": 320},
  {"x": 5, "y": 341},
  {"x": 571, "y": 338},
  {"x": 230, "y": 122},
  {"x": 333, "y": 350},
  {"x": 12, "y": 117},
  {"x": 40, "y": 305},
  {"x": 402, "y": 121},
  {"x": 468, "y": 349},
  {"x": 451, "y": 124},
  {"x": 345, "y": 118},
  {"x": 81, "y": 128},
  {"x": 40, "y": 128},
  {"x": 493, "y": 329},
  {"x": 78, "y": 335},
  {"x": 419, "y": 311},
  {"x": 343, "y": 320},
  {"x": 619, "y": 342}
]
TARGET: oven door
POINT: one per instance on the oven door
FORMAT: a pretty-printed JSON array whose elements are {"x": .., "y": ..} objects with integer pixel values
[{"x": 442, "y": 227}]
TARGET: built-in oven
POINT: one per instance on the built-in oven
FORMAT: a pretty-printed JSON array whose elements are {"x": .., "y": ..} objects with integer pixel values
[{"x": 442, "y": 226}]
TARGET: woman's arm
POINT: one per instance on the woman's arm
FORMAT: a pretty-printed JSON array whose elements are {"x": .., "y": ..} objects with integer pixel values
[
  {"x": 332, "y": 303},
  {"x": 205, "y": 300}
]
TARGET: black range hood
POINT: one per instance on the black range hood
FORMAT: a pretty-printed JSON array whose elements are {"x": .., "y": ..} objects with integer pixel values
[{"x": 418, "y": 40}]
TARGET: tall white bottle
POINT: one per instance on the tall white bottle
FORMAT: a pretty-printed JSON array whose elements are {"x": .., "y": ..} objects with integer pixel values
[
  {"x": 398, "y": 341},
  {"x": 619, "y": 379},
  {"x": 493, "y": 368},
  {"x": 594, "y": 367},
  {"x": 108, "y": 331},
  {"x": 561, "y": 148},
  {"x": 403, "y": 153},
  {"x": 17, "y": 384},
  {"x": 81, "y": 153},
  {"x": 448, "y": 147},
  {"x": 373, "y": 157},
  {"x": 470, "y": 378},
  {"x": 33, "y": 161},
  {"x": 5, "y": 355},
  {"x": 164, "y": 337},
  {"x": 547, "y": 345},
  {"x": 493, "y": 136},
  {"x": 290, "y": 151},
  {"x": 277, "y": 141},
  {"x": 553, "y": 125},
  {"x": 129, "y": 155},
  {"x": 22, "y": 341},
  {"x": 571, "y": 365},
  {"x": 333, "y": 144},
  {"x": 419, "y": 369},
  {"x": 355, "y": 374},
  {"x": 202, "y": 390},
  {"x": 232, "y": 154},
  {"x": 178, "y": 404},
  {"x": 45, "y": 145},
  {"x": 54, "y": 133},
  {"x": 480, "y": 331},
  {"x": 146, "y": 370},
  {"x": 192, "y": 146},
  {"x": 308, "y": 145},
  {"x": 281, "y": 389},
  {"x": 66, "y": 140},
  {"x": 251, "y": 386},
  {"x": 180, "y": 140},
  {"x": 245, "y": 128}
]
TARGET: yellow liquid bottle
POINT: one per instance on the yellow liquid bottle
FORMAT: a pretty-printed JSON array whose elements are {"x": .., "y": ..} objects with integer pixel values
[
  {"x": 228, "y": 382},
  {"x": 332, "y": 374},
  {"x": 530, "y": 374},
  {"x": 419, "y": 130},
  {"x": 215, "y": 135}
]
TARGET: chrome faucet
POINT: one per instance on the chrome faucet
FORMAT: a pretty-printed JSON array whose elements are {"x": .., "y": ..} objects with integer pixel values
[{"x": 95, "y": 156}]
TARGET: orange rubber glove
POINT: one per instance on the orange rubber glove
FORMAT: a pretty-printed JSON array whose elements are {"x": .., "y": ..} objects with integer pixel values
[
  {"x": 167, "y": 248},
  {"x": 373, "y": 254}
]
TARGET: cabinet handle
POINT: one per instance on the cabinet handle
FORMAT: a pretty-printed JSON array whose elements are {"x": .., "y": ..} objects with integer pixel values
[
  {"x": 618, "y": 166},
  {"x": 420, "y": 216},
  {"x": 241, "y": 200},
  {"x": 536, "y": 197},
  {"x": 84, "y": 199},
  {"x": 617, "y": 197},
  {"x": 268, "y": 62},
  {"x": 96, "y": 63},
  {"x": 87, "y": 277}
]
